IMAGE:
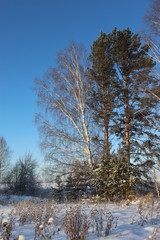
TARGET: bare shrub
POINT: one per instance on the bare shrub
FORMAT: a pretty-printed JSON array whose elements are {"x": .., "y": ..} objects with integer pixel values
[
  {"x": 42, "y": 232},
  {"x": 35, "y": 211},
  {"x": 146, "y": 209},
  {"x": 6, "y": 231},
  {"x": 102, "y": 222},
  {"x": 75, "y": 224},
  {"x": 155, "y": 234}
]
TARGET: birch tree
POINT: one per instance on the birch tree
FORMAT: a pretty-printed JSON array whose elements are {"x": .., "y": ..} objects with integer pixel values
[
  {"x": 152, "y": 27},
  {"x": 64, "y": 122},
  {"x": 152, "y": 23}
]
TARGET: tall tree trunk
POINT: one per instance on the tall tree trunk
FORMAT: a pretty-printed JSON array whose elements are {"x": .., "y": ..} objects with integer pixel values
[
  {"x": 127, "y": 125},
  {"x": 106, "y": 122},
  {"x": 106, "y": 136}
]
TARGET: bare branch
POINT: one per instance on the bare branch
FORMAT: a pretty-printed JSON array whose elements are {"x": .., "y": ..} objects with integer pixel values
[{"x": 62, "y": 94}]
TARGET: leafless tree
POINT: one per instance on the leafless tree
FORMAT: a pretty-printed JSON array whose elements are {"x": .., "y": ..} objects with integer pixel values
[
  {"x": 66, "y": 125},
  {"x": 22, "y": 178},
  {"x": 152, "y": 20},
  {"x": 5, "y": 154}
]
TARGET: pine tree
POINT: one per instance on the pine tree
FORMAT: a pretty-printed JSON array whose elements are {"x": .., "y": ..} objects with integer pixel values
[
  {"x": 102, "y": 75},
  {"x": 112, "y": 178},
  {"x": 134, "y": 67},
  {"x": 79, "y": 179},
  {"x": 130, "y": 75},
  {"x": 58, "y": 181}
]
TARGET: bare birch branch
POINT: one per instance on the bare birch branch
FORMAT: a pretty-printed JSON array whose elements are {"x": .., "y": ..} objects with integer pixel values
[{"x": 62, "y": 94}]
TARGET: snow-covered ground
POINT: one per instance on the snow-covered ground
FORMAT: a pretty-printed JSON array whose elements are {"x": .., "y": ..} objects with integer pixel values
[{"x": 136, "y": 220}]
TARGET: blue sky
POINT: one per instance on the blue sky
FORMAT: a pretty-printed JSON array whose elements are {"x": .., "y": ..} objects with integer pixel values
[{"x": 31, "y": 34}]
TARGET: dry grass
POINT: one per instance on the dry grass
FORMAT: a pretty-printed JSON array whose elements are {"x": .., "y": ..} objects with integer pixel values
[
  {"x": 75, "y": 223},
  {"x": 148, "y": 211},
  {"x": 49, "y": 219}
]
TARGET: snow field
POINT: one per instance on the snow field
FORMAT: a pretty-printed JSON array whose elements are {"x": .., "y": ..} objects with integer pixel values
[{"x": 45, "y": 219}]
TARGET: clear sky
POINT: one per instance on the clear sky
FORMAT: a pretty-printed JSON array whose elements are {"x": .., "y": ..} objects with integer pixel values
[{"x": 31, "y": 34}]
